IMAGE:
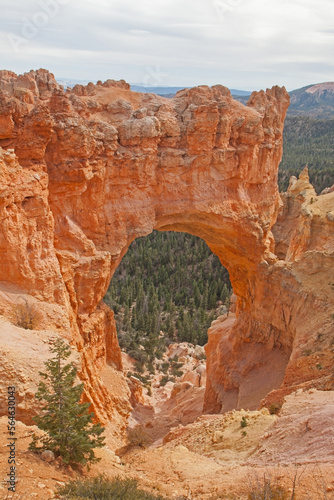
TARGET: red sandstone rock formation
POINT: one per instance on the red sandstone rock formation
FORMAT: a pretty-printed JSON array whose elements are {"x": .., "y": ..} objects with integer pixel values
[
  {"x": 286, "y": 341},
  {"x": 86, "y": 171}
]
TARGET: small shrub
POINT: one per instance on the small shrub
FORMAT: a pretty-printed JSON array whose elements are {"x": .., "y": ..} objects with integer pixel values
[
  {"x": 243, "y": 422},
  {"x": 244, "y": 433},
  {"x": 25, "y": 315},
  {"x": 176, "y": 372},
  {"x": 151, "y": 368},
  {"x": 139, "y": 436},
  {"x": 159, "y": 354},
  {"x": 176, "y": 364},
  {"x": 144, "y": 380},
  {"x": 140, "y": 367},
  {"x": 164, "y": 380},
  {"x": 103, "y": 488},
  {"x": 165, "y": 366},
  {"x": 319, "y": 366},
  {"x": 268, "y": 489},
  {"x": 138, "y": 354},
  {"x": 275, "y": 408}
]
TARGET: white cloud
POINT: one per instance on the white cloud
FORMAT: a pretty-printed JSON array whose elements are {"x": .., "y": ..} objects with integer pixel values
[{"x": 239, "y": 43}]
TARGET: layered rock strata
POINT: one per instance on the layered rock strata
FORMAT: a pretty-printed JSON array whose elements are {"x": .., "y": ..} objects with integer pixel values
[{"x": 87, "y": 170}]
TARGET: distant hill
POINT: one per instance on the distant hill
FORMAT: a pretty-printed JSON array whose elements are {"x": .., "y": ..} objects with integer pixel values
[
  {"x": 171, "y": 91},
  {"x": 241, "y": 98},
  {"x": 164, "y": 91},
  {"x": 316, "y": 101}
]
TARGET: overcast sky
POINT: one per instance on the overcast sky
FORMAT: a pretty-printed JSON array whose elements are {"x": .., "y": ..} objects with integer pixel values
[{"x": 244, "y": 44}]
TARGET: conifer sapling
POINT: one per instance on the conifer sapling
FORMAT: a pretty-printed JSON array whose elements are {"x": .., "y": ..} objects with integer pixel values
[{"x": 70, "y": 433}]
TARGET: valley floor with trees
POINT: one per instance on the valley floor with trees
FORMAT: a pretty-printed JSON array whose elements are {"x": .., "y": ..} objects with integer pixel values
[{"x": 169, "y": 282}]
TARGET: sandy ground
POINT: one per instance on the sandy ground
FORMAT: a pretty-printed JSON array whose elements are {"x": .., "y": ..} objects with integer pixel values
[{"x": 214, "y": 457}]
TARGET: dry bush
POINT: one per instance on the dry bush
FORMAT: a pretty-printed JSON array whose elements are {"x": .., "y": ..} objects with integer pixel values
[
  {"x": 268, "y": 488},
  {"x": 104, "y": 488},
  {"x": 139, "y": 436},
  {"x": 25, "y": 315},
  {"x": 275, "y": 408}
]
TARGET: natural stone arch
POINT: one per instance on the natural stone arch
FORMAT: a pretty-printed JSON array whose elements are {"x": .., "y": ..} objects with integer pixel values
[
  {"x": 104, "y": 165},
  {"x": 201, "y": 163}
]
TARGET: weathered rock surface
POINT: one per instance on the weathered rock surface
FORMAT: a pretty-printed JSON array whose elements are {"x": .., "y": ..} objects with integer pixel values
[
  {"x": 246, "y": 355},
  {"x": 302, "y": 434},
  {"x": 95, "y": 167},
  {"x": 166, "y": 405}
]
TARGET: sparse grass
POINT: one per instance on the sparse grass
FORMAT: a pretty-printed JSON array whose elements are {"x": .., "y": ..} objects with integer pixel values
[
  {"x": 268, "y": 488},
  {"x": 103, "y": 488},
  {"x": 139, "y": 436},
  {"x": 25, "y": 315}
]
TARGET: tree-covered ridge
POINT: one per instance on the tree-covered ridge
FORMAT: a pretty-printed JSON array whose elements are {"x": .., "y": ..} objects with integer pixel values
[
  {"x": 308, "y": 142},
  {"x": 316, "y": 101},
  {"x": 169, "y": 282}
]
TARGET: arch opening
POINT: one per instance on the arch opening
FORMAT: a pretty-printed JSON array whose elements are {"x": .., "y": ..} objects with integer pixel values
[
  {"x": 165, "y": 293},
  {"x": 167, "y": 282}
]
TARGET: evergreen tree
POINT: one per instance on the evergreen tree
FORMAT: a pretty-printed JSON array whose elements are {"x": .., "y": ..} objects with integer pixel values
[
  {"x": 67, "y": 422},
  {"x": 180, "y": 297}
]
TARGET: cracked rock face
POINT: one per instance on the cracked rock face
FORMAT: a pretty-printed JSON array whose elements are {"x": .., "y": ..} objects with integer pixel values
[{"x": 86, "y": 171}]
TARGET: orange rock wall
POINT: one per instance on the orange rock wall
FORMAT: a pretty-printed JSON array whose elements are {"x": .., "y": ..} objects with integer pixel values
[
  {"x": 285, "y": 341},
  {"x": 113, "y": 165}
]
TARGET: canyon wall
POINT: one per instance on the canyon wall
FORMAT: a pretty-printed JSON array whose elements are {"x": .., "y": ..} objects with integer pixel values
[
  {"x": 87, "y": 170},
  {"x": 283, "y": 338}
]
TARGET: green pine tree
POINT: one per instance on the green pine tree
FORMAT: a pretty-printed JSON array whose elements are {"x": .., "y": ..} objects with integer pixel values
[{"x": 70, "y": 433}]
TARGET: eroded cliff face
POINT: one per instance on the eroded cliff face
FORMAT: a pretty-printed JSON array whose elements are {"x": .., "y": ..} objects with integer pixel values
[
  {"x": 86, "y": 171},
  {"x": 285, "y": 341}
]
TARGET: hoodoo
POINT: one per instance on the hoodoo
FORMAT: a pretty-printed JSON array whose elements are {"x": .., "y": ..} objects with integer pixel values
[{"x": 83, "y": 172}]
